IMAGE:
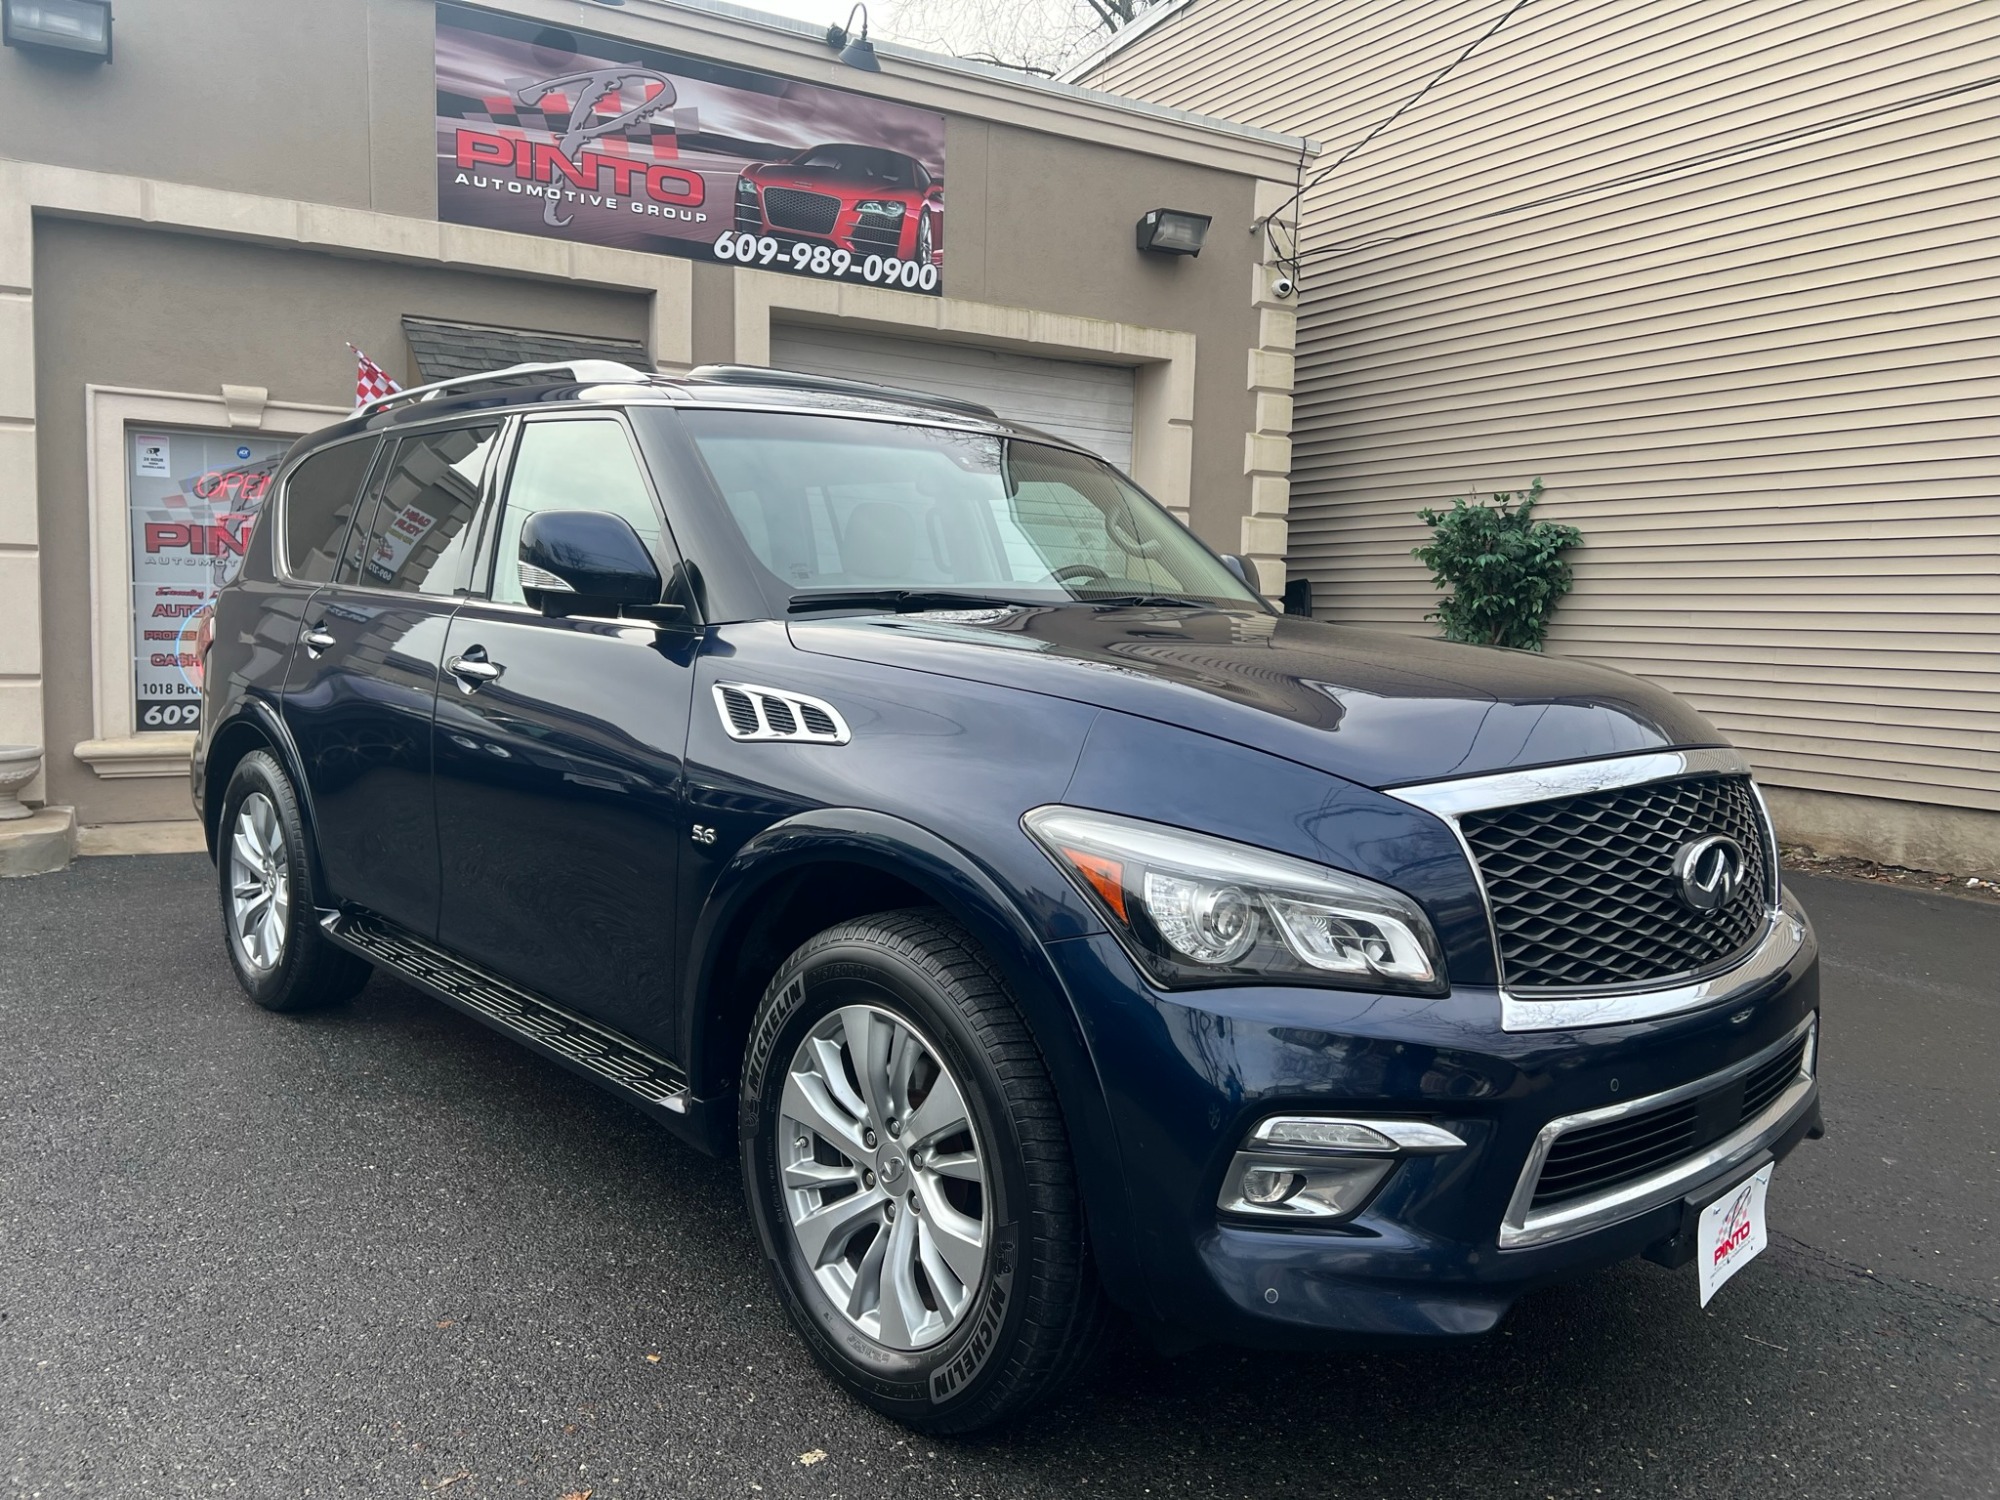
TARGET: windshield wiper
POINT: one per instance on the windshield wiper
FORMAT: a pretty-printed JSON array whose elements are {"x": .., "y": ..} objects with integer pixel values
[
  {"x": 1146, "y": 601},
  {"x": 902, "y": 601}
]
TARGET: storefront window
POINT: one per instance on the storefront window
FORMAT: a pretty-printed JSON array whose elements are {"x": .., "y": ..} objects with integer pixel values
[{"x": 194, "y": 496}]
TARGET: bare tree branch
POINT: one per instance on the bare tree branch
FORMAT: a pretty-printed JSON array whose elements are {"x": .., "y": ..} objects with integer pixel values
[{"x": 1039, "y": 36}]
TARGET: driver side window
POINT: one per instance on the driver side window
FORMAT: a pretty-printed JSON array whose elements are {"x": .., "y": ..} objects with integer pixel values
[{"x": 571, "y": 465}]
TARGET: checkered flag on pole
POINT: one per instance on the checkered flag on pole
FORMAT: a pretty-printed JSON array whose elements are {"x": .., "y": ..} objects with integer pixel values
[{"x": 371, "y": 381}]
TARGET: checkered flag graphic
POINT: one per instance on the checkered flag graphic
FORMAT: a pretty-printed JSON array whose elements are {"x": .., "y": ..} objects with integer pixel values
[
  {"x": 653, "y": 132},
  {"x": 371, "y": 381}
]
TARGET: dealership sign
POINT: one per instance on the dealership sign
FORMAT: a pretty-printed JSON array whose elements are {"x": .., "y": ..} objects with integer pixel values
[
  {"x": 192, "y": 500},
  {"x": 544, "y": 130}
]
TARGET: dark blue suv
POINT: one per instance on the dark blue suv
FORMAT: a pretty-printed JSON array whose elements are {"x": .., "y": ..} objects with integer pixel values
[{"x": 901, "y": 798}]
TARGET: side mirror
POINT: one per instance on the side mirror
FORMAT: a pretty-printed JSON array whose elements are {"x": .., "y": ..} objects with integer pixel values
[
  {"x": 590, "y": 563},
  {"x": 1243, "y": 568}
]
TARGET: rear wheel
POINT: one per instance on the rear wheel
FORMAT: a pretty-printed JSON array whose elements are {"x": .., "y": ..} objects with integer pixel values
[
  {"x": 909, "y": 1174},
  {"x": 264, "y": 867}
]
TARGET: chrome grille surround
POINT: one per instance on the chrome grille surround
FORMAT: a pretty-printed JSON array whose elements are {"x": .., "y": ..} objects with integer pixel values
[
  {"x": 1526, "y": 1223},
  {"x": 1775, "y": 933}
]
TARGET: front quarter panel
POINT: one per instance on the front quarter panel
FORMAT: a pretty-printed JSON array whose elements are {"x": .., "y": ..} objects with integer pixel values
[
  {"x": 930, "y": 789},
  {"x": 962, "y": 760}
]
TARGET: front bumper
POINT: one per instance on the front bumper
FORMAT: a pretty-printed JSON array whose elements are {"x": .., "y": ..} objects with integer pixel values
[{"x": 1451, "y": 1239}]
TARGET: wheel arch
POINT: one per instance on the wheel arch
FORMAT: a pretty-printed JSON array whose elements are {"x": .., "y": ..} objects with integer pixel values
[
  {"x": 840, "y": 863},
  {"x": 255, "y": 726}
]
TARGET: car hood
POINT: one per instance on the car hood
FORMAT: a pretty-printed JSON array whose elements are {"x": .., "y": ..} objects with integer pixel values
[
  {"x": 826, "y": 179},
  {"x": 1371, "y": 707}
]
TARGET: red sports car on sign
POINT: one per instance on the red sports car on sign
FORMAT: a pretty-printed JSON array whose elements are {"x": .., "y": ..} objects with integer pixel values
[{"x": 865, "y": 199}]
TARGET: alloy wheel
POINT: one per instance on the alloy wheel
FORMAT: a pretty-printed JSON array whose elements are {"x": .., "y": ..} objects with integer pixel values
[
  {"x": 260, "y": 883},
  {"x": 884, "y": 1179}
]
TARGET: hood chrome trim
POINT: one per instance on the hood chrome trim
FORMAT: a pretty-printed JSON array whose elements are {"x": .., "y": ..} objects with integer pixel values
[{"x": 1450, "y": 799}]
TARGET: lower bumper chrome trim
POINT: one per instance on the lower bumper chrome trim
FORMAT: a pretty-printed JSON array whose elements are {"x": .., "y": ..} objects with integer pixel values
[{"x": 1522, "y": 1228}]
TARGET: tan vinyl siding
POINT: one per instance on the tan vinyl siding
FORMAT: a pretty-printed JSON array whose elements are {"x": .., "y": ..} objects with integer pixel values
[{"x": 1725, "y": 274}]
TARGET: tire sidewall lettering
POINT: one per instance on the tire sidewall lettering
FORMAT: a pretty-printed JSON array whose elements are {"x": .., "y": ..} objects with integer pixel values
[{"x": 950, "y": 1369}]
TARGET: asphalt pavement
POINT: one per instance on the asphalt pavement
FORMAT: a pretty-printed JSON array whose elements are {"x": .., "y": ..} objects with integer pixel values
[{"x": 383, "y": 1252}]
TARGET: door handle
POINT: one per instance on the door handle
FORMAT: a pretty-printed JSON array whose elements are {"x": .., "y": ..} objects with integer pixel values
[
  {"x": 317, "y": 640},
  {"x": 472, "y": 669}
]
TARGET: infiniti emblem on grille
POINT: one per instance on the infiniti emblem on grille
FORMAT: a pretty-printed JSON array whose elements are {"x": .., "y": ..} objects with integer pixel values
[{"x": 1710, "y": 872}]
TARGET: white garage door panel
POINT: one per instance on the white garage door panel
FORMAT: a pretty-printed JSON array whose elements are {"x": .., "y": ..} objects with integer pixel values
[{"x": 1090, "y": 405}]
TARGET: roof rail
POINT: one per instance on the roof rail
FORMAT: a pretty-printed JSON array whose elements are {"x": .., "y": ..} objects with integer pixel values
[
  {"x": 582, "y": 371},
  {"x": 759, "y": 375}
]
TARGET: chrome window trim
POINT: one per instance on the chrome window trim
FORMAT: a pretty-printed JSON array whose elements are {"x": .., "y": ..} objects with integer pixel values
[
  {"x": 1520, "y": 1228},
  {"x": 1783, "y": 934}
]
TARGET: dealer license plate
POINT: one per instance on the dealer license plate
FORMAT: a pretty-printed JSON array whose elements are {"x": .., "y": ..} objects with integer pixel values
[{"x": 1732, "y": 1232}]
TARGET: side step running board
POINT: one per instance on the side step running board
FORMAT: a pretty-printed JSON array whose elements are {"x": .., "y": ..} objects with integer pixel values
[{"x": 598, "y": 1052}]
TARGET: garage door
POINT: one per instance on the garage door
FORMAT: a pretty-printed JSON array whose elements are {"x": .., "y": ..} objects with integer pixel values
[{"x": 1091, "y": 405}]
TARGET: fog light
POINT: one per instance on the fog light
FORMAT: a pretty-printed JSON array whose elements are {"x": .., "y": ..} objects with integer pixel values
[
  {"x": 1335, "y": 1188},
  {"x": 1264, "y": 1186}
]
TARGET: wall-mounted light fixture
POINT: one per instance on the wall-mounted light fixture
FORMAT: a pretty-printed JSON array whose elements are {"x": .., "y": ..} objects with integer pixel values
[
  {"x": 1168, "y": 231},
  {"x": 81, "y": 28},
  {"x": 855, "y": 51}
]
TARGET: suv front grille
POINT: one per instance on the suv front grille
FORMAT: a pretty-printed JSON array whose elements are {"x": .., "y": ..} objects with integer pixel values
[
  {"x": 807, "y": 213},
  {"x": 1583, "y": 891},
  {"x": 1597, "y": 1158}
]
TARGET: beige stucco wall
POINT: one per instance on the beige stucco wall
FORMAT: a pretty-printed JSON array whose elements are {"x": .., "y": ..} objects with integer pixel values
[
  {"x": 1722, "y": 273},
  {"x": 325, "y": 100},
  {"x": 128, "y": 279},
  {"x": 214, "y": 312},
  {"x": 335, "y": 105}
]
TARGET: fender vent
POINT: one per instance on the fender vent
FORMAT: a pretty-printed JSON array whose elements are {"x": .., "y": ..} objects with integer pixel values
[{"x": 761, "y": 713}]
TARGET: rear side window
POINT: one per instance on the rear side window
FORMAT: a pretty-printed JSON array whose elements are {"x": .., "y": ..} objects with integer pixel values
[
  {"x": 420, "y": 531},
  {"x": 319, "y": 503},
  {"x": 571, "y": 465}
]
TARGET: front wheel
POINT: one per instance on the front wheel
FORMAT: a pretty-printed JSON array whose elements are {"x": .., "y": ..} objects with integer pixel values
[{"x": 909, "y": 1174}]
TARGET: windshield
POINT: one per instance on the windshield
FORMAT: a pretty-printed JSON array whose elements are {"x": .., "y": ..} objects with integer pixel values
[
  {"x": 836, "y": 505},
  {"x": 868, "y": 163}
]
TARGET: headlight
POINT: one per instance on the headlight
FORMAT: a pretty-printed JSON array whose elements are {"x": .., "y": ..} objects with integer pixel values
[
  {"x": 880, "y": 206},
  {"x": 1193, "y": 909},
  {"x": 745, "y": 188}
]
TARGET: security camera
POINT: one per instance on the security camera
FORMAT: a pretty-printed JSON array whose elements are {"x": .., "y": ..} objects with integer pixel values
[{"x": 1283, "y": 286}]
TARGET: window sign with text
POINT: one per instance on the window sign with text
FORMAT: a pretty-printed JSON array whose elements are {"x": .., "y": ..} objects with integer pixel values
[
  {"x": 544, "y": 130},
  {"x": 193, "y": 499}
]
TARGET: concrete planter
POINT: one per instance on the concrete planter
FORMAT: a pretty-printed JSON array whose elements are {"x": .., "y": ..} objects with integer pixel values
[{"x": 18, "y": 765}]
